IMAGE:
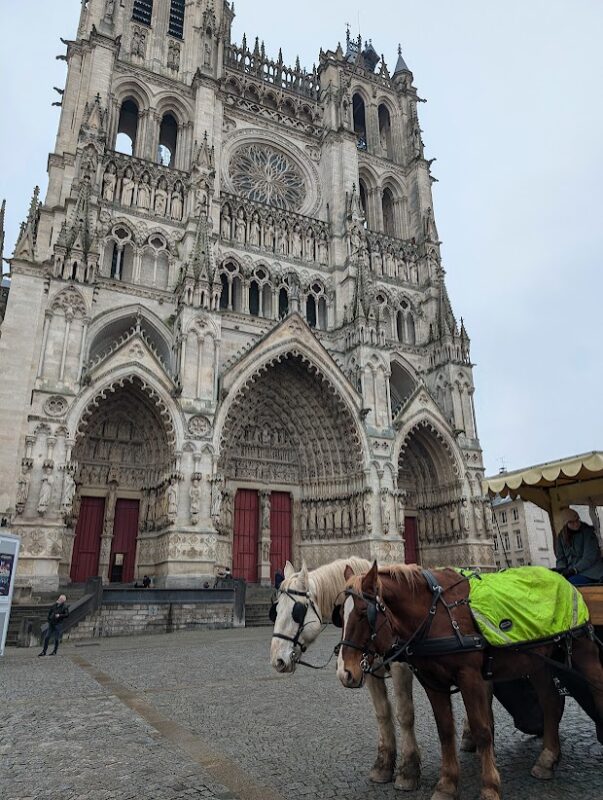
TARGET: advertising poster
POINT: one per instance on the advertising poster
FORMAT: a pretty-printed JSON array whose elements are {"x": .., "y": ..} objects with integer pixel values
[
  {"x": 9, "y": 557},
  {"x": 6, "y": 571}
]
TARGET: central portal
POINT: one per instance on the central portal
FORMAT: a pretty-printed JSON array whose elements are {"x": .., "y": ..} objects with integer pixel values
[{"x": 259, "y": 536}]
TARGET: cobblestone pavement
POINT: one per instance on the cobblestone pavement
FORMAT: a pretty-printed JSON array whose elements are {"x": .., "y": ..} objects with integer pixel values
[{"x": 203, "y": 715}]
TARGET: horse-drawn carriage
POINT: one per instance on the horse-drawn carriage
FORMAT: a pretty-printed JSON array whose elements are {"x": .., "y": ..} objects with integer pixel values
[{"x": 409, "y": 621}]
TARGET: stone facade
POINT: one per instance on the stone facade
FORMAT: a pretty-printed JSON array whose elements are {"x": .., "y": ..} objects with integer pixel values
[
  {"x": 234, "y": 281},
  {"x": 522, "y": 534}
]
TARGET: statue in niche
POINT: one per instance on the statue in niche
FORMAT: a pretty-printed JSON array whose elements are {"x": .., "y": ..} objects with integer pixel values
[
  {"x": 45, "y": 493},
  {"x": 109, "y": 183},
  {"x": 297, "y": 242},
  {"x": 227, "y": 513},
  {"x": 151, "y": 510},
  {"x": 143, "y": 199},
  {"x": 139, "y": 39},
  {"x": 465, "y": 522},
  {"x": 109, "y": 9},
  {"x": 161, "y": 196},
  {"x": 23, "y": 488},
  {"x": 269, "y": 234},
  {"x": 401, "y": 514},
  {"x": 368, "y": 514},
  {"x": 68, "y": 491},
  {"x": 323, "y": 250},
  {"x": 355, "y": 240},
  {"x": 226, "y": 223},
  {"x": 216, "y": 497},
  {"x": 385, "y": 513},
  {"x": 195, "y": 500},
  {"x": 283, "y": 239},
  {"x": 417, "y": 142},
  {"x": 177, "y": 203},
  {"x": 240, "y": 227},
  {"x": 201, "y": 201},
  {"x": 127, "y": 187},
  {"x": 172, "y": 500},
  {"x": 254, "y": 230},
  {"x": 309, "y": 245},
  {"x": 206, "y": 54}
]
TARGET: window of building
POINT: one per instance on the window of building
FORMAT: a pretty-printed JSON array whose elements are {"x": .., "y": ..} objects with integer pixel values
[
  {"x": 506, "y": 542},
  {"x": 359, "y": 121},
  {"x": 311, "y": 311},
  {"x": 521, "y": 562},
  {"x": 495, "y": 542},
  {"x": 168, "y": 139},
  {"x": 127, "y": 128},
  {"x": 503, "y": 517},
  {"x": 224, "y": 295},
  {"x": 283, "y": 303},
  {"x": 389, "y": 219},
  {"x": 385, "y": 131},
  {"x": 254, "y": 299},
  {"x": 176, "y": 27},
  {"x": 143, "y": 11},
  {"x": 518, "y": 540},
  {"x": 515, "y": 515}
]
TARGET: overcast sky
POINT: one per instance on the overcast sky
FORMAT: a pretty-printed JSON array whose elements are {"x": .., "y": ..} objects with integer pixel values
[{"x": 515, "y": 119}]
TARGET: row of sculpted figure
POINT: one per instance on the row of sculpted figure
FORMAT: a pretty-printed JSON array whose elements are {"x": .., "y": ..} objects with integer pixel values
[
  {"x": 285, "y": 237},
  {"x": 156, "y": 197}
]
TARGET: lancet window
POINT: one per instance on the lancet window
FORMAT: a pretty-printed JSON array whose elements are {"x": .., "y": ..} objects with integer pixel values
[
  {"x": 176, "y": 25},
  {"x": 359, "y": 113},
  {"x": 168, "y": 140},
  {"x": 143, "y": 11},
  {"x": 127, "y": 128}
]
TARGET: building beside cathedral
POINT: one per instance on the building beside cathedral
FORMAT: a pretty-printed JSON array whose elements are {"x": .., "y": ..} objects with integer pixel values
[{"x": 228, "y": 340}]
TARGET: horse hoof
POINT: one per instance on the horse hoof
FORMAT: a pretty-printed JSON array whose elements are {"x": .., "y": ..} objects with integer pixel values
[
  {"x": 439, "y": 795},
  {"x": 378, "y": 775},
  {"x": 542, "y": 773},
  {"x": 406, "y": 784},
  {"x": 468, "y": 745}
]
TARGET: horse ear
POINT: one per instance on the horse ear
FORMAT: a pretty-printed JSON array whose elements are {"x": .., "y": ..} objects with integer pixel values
[
  {"x": 303, "y": 574},
  {"x": 371, "y": 578},
  {"x": 289, "y": 569},
  {"x": 348, "y": 572}
]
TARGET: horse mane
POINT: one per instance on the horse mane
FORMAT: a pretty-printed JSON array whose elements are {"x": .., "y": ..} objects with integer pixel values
[
  {"x": 327, "y": 582},
  {"x": 411, "y": 573}
]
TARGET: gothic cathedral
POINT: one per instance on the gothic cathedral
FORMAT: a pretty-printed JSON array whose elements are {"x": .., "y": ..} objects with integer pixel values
[{"x": 228, "y": 340}]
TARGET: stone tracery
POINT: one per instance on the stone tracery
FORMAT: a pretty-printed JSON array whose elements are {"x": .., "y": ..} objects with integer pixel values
[{"x": 266, "y": 175}]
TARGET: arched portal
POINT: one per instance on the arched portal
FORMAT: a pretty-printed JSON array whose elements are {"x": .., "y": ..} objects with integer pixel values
[
  {"x": 124, "y": 457},
  {"x": 292, "y": 458},
  {"x": 430, "y": 492}
]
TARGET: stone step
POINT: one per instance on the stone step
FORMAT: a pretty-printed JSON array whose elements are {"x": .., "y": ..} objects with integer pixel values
[{"x": 256, "y": 615}]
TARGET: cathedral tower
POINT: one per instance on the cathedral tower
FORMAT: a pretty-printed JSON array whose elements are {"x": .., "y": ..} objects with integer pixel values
[{"x": 228, "y": 340}]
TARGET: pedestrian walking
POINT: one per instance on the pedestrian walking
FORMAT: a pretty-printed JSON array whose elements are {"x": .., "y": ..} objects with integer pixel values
[{"x": 57, "y": 614}]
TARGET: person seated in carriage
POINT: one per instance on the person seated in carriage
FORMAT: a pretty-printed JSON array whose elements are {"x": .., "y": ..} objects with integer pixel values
[{"x": 577, "y": 551}]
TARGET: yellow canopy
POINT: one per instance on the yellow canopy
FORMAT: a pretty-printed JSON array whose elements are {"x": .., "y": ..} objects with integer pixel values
[{"x": 555, "y": 485}]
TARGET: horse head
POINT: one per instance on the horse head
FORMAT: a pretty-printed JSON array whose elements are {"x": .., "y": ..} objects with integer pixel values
[
  {"x": 367, "y": 631},
  {"x": 296, "y": 618}
]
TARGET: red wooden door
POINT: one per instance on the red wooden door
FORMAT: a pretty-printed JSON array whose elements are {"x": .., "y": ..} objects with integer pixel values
[
  {"x": 86, "y": 547},
  {"x": 411, "y": 541},
  {"x": 245, "y": 535},
  {"x": 123, "y": 547},
  {"x": 280, "y": 531}
]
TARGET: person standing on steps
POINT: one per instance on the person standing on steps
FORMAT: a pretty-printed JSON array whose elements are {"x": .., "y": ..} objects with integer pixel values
[{"x": 58, "y": 612}]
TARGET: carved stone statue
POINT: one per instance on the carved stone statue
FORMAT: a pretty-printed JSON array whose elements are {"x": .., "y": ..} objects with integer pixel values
[
  {"x": 161, "y": 197},
  {"x": 297, "y": 242},
  {"x": 254, "y": 230},
  {"x": 68, "y": 491},
  {"x": 226, "y": 223},
  {"x": 176, "y": 206},
  {"x": 172, "y": 500},
  {"x": 216, "y": 497},
  {"x": 23, "y": 488},
  {"x": 45, "y": 493},
  {"x": 269, "y": 234},
  {"x": 195, "y": 501},
  {"x": 309, "y": 245},
  {"x": 368, "y": 515},
  {"x": 401, "y": 514},
  {"x": 240, "y": 227},
  {"x": 385, "y": 513},
  {"x": 283, "y": 239},
  {"x": 143, "y": 199},
  {"x": 127, "y": 187},
  {"x": 109, "y": 182},
  {"x": 323, "y": 250},
  {"x": 266, "y": 513},
  {"x": 417, "y": 142}
]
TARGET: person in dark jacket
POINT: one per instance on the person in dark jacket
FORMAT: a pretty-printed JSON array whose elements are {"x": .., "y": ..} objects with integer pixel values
[
  {"x": 577, "y": 550},
  {"x": 58, "y": 612}
]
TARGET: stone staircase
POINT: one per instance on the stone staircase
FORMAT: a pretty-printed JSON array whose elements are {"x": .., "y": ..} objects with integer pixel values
[{"x": 258, "y": 600}]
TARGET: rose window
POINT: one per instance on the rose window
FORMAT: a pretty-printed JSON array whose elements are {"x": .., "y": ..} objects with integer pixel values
[{"x": 267, "y": 176}]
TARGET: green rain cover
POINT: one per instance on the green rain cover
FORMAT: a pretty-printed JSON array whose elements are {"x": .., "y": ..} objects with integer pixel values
[{"x": 524, "y": 604}]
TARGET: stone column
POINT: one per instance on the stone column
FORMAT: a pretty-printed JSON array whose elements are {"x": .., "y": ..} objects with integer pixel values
[
  {"x": 107, "y": 534},
  {"x": 264, "y": 549},
  {"x": 47, "y": 319}
]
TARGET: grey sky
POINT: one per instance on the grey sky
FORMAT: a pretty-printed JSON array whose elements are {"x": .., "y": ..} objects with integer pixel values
[{"x": 514, "y": 118}]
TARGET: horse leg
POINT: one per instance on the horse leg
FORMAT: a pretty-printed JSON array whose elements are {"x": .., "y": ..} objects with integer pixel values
[
  {"x": 552, "y": 709},
  {"x": 587, "y": 659},
  {"x": 447, "y": 786},
  {"x": 477, "y": 696},
  {"x": 468, "y": 744},
  {"x": 383, "y": 768},
  {"x": 409, "y": 771}
]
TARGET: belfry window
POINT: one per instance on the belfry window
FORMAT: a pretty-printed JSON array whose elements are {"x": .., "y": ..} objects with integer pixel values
[
  {"x": 359, "y": 122},
  {"x": 311, "y": 311},
  {"x": 176, "y": 27},
  {"x": 389, "y": 218},
  {"x": 127, "y": 128},
  {"x": 283, "y": 303},
  {"x": 143, "y": 11},
  {"x": 385, "y": 131},
  {"x": 168, "y": 139}
]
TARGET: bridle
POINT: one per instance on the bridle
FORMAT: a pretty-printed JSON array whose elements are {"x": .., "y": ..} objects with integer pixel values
[
  {"x": 374, "y": 607},
  {"x": 298, "y": 613}
]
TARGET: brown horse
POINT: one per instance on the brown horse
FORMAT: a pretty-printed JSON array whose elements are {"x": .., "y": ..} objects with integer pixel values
[{"x": 388, "y": 606}]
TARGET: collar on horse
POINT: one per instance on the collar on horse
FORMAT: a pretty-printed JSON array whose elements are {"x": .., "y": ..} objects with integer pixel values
[{"x": 419, "y": 644}]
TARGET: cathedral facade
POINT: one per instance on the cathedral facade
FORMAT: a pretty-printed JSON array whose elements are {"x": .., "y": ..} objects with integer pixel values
[{"x": 228, "y": 340}]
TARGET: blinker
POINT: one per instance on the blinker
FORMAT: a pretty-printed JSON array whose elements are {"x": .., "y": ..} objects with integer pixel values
[
  {"x": 371, "y": 615},
  {"x": 299, "y": 613},
  {"x": 272, "y": 613},
  {"x": 336, "y": 617}
]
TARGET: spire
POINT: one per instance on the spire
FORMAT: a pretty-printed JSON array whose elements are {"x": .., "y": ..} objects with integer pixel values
[
  {"x": 400, "y": 64},
  {"x": 76, "y": 234},
  {"x": 446, "y": 320},
  {"x": 198, "y": 274},
  {"x": 26, "y": 244}
]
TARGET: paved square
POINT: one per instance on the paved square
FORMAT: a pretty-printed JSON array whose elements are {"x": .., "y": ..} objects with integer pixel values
[{"x": 203, "y": 715}]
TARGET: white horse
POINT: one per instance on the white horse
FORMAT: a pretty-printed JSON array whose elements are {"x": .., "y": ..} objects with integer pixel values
[{"x": 295, "y": 629}]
